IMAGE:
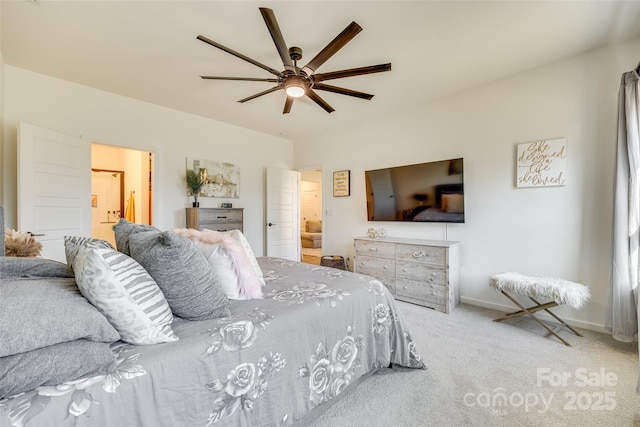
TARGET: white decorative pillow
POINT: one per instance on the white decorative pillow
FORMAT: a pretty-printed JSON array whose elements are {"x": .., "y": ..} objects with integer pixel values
[
  {"x": 125, "y": 294},
  {"x": 248, "y": 285},
  {"x": 222, "y": 264},
  {"x": 72, "y": 245}
]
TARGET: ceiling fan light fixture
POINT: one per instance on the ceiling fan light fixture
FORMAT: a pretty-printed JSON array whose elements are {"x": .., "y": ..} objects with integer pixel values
[
  {"x": 295, "y": 87},
  {"x": 295, "y": 91}
]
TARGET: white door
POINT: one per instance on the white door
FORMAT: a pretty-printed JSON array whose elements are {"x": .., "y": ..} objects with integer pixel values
[
  {"x": 310, "y": 201},
  {"x": 54, "y": 187},
  {"x": 283, "y": 234}
]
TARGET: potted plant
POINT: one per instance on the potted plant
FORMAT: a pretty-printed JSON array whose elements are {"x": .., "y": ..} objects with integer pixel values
[{"x": 195, "y": 182}]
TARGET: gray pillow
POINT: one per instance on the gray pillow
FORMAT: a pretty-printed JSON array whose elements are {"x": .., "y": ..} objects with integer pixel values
[
  {"x": 33, "y": 267},
  {"x": 41, "y": 312},
  {"x": 123, "y": 229},
  {"x": 185, "y": 276},
  {"x": 54, "y": 365}
]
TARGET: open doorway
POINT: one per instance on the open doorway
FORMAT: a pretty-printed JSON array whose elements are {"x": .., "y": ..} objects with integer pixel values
[
  {"x": 121, "y": 187},
  {"x": 311, "y": 215}
]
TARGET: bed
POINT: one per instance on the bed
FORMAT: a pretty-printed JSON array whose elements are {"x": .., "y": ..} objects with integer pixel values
[{"x": 315, "y": 333}]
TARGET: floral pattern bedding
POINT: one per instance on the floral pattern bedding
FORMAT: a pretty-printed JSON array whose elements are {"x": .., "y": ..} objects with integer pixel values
[{"x": 274, "y": 360}]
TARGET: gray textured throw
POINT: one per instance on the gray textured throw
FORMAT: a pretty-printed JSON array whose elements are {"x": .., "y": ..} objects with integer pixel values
[
  {"x": 54, "y": 365},
  {"x": 33, "y": 267},
  {"x": 41, "y": 312}
]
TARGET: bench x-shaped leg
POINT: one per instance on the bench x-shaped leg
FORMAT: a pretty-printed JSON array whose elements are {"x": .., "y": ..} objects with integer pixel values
[{"x": 531, "y": 310}]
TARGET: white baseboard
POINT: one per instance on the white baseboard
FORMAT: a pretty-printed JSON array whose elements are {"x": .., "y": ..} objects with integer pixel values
[{"x": 541, "y": 314}]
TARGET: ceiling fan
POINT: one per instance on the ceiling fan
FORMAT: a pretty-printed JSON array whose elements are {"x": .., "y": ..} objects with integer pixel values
[{"x": 296, "y": 81}]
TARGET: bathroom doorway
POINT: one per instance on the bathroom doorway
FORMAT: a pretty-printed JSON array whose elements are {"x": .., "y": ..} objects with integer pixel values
[{"x": 121, "y": 187}]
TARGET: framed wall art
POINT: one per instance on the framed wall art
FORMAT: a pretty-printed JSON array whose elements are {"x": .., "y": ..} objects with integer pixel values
[
  {"x": 541, "y": 163},
  {"x": 221, "y": 179},
  {"x": 341, "y": 183}
]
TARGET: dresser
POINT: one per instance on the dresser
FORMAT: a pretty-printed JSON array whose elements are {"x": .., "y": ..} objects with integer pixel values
[
  {"x": 217, "y": 219},
  {"x": 424, "y": 272}
]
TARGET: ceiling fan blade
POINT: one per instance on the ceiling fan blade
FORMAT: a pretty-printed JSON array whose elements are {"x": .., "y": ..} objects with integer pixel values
[
  {"x": 249, "y": 98},
  {"x": 342, "y": 91},
  {"x": 287, "y": 105},
  {"x": 335, "y": 45},
  {"x": 238, "y": 55},
  {"x": 321, "y": 102},
  {"x": 244, "y": 79},
  {"x": 276, "y": 35},
  {"x": 352, "y": 72}
]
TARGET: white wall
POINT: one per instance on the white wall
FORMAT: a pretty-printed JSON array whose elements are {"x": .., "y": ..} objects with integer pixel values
[
  {"x": 171, "y": 135},
  {"x": 556, "y": 231}
]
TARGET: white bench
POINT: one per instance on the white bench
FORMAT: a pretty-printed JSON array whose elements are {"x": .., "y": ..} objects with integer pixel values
[{"x": 559, "y": 291}]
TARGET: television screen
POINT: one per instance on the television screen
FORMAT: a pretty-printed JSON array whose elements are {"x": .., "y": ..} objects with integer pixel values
[{"x": 424, "y": 192}]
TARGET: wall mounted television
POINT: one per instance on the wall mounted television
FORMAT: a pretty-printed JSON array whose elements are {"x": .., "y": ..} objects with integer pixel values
[{"x": 424, "y": 192}]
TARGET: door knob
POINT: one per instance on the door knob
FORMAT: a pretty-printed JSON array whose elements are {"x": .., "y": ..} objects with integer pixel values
[{"x": 271, "y": 224}]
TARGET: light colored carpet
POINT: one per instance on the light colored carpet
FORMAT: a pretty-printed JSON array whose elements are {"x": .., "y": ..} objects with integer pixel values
[{"x": 483, "y": 373}]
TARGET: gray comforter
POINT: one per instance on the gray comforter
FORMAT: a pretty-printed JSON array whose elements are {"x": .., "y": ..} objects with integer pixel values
[{"x": 272, "y": 362}]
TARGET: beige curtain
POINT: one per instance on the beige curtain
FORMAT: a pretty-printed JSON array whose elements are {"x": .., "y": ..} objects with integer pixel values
[{"x": 622, "y": 311}]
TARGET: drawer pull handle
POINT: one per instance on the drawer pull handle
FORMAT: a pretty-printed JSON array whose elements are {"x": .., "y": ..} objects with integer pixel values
[
  {"x": 385, "y": 267},
  {"x": 420, "y": 254},
  {"x": 404, "y": 287},
  {"x": 373, "y": 249},
  {"x": 404, "y": 269},
  {"x": 222, "y": 217}
]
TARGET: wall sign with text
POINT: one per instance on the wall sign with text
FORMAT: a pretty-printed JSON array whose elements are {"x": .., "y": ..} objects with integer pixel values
[
  {"x": 341, "y": 183},
  {"x": 541, "y": 163}
]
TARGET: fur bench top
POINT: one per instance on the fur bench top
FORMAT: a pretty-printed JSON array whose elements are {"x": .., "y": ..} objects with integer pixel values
[{"x": 560, "y": 290}]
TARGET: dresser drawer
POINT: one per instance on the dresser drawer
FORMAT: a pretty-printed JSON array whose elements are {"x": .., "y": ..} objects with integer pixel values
[
  {"x": 221, "y": 227},
  {"x": 421, "y": 272},
  {"x": 219, "y": 216},
  {"x": 422, "y": 291},
  {"x": 432, "y": 255},
  {"x": 217, "y": 219},
  {"x": 375, "y": 249},
  {"x": 379, "y": 268}
]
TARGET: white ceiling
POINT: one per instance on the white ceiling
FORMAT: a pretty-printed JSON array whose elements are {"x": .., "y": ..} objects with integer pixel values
[{"x": 148, "y": 50}]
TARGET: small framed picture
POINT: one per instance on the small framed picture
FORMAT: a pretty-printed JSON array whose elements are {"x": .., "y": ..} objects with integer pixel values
[
  {"x": 226, "y": 205},
  {"x": 341, "y": 183}
]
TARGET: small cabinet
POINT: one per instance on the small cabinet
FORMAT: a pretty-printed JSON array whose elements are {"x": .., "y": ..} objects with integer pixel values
[
  {"x": 217, "y": 219},
  {"x": 423, "y": 272}
]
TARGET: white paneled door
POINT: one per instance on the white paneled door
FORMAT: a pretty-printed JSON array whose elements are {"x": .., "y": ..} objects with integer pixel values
[
  {"x": 54, "y": 187},
  {"x": 283, "y": 232}
]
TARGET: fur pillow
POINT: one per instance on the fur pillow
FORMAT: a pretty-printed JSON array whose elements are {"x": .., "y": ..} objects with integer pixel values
[{"x": 20, "y": 244}]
